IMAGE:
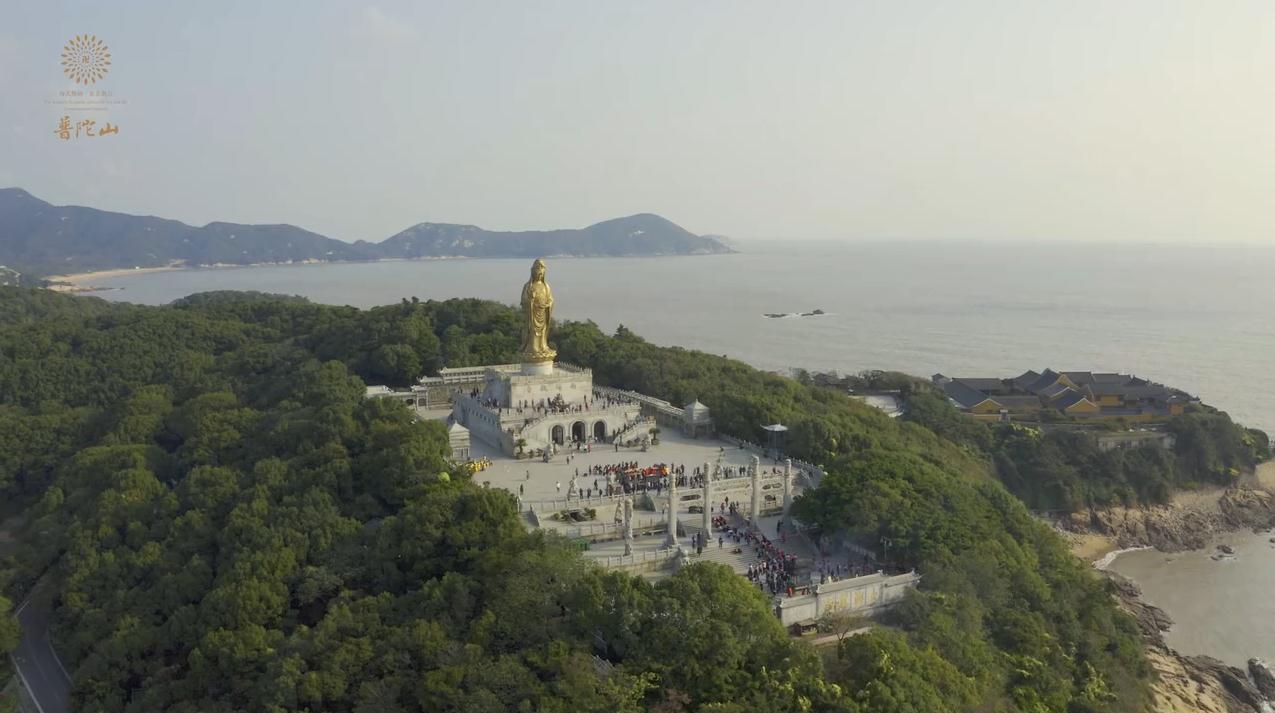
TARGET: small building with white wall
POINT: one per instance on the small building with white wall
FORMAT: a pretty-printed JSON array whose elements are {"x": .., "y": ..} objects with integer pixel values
[{"x": 864, "y": 595}]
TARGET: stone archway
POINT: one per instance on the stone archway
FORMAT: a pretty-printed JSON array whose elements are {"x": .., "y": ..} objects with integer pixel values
[
  {"x": 600, "y": 431},
  {"x": 579, "y": 432},
  {"x": 558, "y": 435}
]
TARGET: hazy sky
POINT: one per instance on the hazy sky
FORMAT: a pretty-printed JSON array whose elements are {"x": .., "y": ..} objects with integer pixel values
[{"x": 1128, "y": 120}]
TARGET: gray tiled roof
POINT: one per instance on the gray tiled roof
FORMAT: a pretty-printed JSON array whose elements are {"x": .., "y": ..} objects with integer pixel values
[
  {"x": 1047, "y": 378},
  {"x": 1134, "y": 392},
  {"x": 963, "y": 395},
  {"x": 1019, "y": 402},
  {"x": 1052, "y": 391},
  {"x": 1025, "y": 379},
  {"x": 1068, "y": 400},
  {"x": 982, "y": 384}
]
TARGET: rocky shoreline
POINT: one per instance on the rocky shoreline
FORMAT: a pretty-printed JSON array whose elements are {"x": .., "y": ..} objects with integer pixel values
[
  {"x": 1188, "y": 524},
  {"x": 1191, "y": 522},
  {"x": 1193, "y": 683}
]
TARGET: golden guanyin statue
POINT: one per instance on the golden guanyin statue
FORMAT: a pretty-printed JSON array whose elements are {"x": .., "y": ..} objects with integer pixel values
[{"x": 537, "y": 310}]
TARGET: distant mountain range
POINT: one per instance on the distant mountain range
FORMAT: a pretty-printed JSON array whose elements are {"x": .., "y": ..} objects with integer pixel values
[{"x": 43, "y": 239}]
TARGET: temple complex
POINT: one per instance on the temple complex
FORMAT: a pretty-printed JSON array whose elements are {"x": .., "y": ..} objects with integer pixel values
[{"x": 637, "y": 483}]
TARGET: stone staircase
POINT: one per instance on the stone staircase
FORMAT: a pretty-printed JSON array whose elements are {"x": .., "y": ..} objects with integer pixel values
[
  {"x": 724, "y": 555},
  {"x": 636, "y": 429}
]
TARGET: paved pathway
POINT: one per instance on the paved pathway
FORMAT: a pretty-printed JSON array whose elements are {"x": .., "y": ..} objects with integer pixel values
[{"x": 37, "y": 664}]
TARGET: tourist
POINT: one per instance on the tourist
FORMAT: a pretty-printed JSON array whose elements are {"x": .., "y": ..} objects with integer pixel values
[{"x": 559, "y": 484}]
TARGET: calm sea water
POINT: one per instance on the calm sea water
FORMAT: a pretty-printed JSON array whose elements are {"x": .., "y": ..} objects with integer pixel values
[
  {"x": 1201, "y": 319},
  {"x": 1220, "y": 607}
]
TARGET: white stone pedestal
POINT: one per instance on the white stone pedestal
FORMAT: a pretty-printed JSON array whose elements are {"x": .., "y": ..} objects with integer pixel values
[{"x": 537, "y": 368}]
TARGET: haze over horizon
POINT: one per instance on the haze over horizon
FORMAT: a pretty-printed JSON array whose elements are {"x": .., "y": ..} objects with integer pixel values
[{"x": 1138, "y": 122}]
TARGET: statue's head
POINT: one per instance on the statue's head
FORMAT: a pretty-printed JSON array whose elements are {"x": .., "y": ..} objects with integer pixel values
[{"x": 538, "y": 270}]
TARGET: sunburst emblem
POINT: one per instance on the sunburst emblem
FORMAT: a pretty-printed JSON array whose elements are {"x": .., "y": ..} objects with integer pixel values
[{"x": 86, "y": 59}]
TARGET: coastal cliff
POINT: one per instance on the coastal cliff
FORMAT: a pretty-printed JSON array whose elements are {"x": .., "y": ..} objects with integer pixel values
[{"x": 1191, "y": 521}]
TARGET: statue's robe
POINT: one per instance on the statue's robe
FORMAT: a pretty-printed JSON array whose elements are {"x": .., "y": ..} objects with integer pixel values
[{"x": 537, "y": 305}]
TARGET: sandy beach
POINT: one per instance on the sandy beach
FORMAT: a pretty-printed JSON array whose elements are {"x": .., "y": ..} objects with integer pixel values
[
  {"x": 1090, "y": 546},
  {"x": 82, "y": 281}
]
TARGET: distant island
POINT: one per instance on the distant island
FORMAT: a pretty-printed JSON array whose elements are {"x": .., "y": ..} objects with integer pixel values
[
  {"x": 779, "y": 315},
  {"x": 41, "y": 239}
]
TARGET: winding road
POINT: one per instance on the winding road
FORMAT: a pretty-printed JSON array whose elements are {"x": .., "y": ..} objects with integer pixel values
[{"x": 37, "y": 664}]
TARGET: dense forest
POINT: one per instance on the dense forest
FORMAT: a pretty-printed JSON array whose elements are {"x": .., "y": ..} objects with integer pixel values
[
  {"x": 230, "y": 526},
  {"x": 1062, "y": 469}
]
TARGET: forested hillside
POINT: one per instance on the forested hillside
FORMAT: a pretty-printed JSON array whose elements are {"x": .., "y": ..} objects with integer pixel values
[
  {"x": 1064, "y": 470},
  {"x": 232, "y": 527},
  {"x": 38, "y": 238}
]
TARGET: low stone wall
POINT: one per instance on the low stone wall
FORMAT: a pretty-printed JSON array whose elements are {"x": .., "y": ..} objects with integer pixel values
[
  {"x": 639, "y": 562},
  {"x": 864, "y": 595},
  {"x": 609, "y": 531},
  {"x": 557, "y": 504},
  {"x": 482, "y": 423}
]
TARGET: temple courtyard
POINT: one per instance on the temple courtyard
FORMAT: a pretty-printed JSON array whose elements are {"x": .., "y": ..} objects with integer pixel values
[{"x": 544, "y": 488}]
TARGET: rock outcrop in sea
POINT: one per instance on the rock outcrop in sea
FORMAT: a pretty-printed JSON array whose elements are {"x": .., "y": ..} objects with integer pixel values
[{"x": 1263, "y": 677}]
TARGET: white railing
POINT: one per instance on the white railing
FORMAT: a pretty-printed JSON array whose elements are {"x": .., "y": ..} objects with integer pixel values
[
  {"x": 582, "y": 414},
  {"x": 658, "y": 404},
  {"x": 644, "y": 425},
  {"x": 557, "y": 504},
  {"x": 605, "y": 528},
  {"x": 638, "y": 558},
  {"x": 470, "y": 374}
]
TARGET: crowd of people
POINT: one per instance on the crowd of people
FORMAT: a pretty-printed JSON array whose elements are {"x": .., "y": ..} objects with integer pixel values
[
  {"x": 555, "y": 405},
  {"x": 829, "y": 571},
  {"x": 627, "y": 477},
  {"x": 776, "y": 570}
]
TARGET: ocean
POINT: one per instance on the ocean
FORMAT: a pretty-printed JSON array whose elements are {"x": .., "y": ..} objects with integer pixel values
[
  {"x": 1198, "y": 318},
  {"x": 1220, "y": 605}
]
